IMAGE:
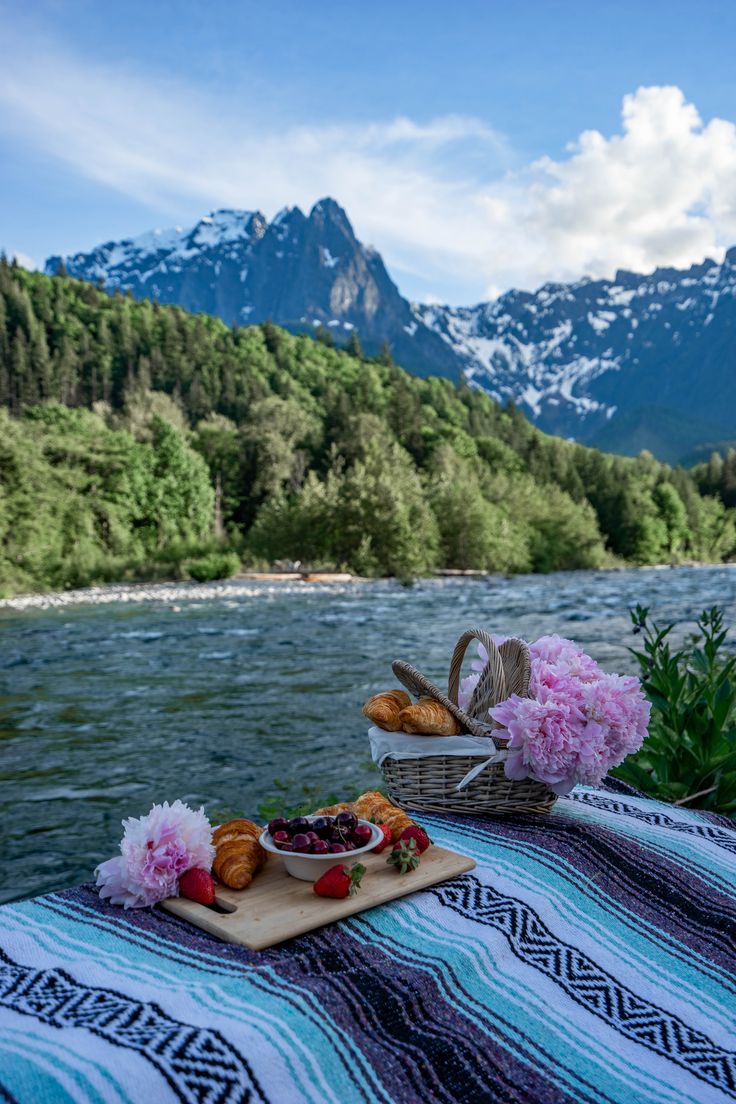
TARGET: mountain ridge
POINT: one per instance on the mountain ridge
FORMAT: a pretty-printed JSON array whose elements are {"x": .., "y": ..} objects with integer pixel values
[
  {"x": 636, "y": 361},
  {"x": 576, "y": 355},
  {"x": 299, "y": 271}
]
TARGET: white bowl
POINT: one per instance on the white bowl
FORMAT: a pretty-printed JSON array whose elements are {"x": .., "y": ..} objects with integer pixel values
[{"x": 311, "y": 867}]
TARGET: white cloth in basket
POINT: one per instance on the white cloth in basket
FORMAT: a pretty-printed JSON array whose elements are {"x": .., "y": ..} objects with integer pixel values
[{"x": 400, "y": 745}]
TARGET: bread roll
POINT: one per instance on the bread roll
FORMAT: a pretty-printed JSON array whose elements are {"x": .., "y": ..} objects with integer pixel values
[
  {"x": 377, "y": 807},
  {"x": 238, "y": 854},
  {"x": 428, "y": 718},
  {"x": 384, "y": 709}
]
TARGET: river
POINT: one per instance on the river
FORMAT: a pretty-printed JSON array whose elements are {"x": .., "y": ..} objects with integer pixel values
[{"x": 227, "y": 694}]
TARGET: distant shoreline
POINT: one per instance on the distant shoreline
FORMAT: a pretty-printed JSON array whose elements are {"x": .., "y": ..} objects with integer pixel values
[
  {"x": 254, "y": 583},
  {"x": 299, "y": 576},
  {"x": 168, "y": 591}
]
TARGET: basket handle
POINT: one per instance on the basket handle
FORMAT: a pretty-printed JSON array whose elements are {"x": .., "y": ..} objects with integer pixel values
[{"x": 491, "y": 688}]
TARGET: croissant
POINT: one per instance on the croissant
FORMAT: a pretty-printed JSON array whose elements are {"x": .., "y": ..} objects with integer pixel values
[
  {"x": 383, "y": 709},
  {"x": 238, "y": 854},
  {"x": 374, "y": 806},
  {"x": 234, "y": 828},
  {"x": 428, "y": 718},
  {"x": 370, "y": 804}
]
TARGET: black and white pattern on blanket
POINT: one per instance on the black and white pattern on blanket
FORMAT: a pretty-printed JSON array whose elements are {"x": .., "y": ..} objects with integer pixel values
[{"x": 200, "y": 1066}]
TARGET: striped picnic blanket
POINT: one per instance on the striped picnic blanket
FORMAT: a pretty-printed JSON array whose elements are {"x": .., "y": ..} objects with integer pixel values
[{"x": 589, "y": 957}]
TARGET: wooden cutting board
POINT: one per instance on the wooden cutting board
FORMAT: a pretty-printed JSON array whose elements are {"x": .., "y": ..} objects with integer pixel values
[{"x": 276, "y": 906}]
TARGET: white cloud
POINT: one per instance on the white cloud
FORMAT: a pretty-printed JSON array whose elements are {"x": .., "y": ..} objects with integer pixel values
[
  {"x": 444, "y": 201},
  {"x": 24, "y": 260},
  {"x": 663, "y": 192}
]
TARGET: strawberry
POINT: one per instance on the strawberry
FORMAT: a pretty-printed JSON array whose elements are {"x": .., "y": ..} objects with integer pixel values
[
  {"x": 404, "y": 855},
  {"x": 420, "y": 837},
  {"x": 197, "y": 885},
  {"x": 339, "y": 881},
  {"x": 385, "y": 841}
]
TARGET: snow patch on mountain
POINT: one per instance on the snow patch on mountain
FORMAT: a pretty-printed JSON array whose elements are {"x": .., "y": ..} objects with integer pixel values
[
  {"x": 555, "y": 352},
  {"x": 576, "y": 357}
]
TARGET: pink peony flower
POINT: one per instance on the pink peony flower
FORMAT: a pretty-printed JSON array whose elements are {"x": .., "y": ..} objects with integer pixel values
[
  {"x": 578, "y": 723},
  {"x": 553, "y": 648},
  {"x": 154, "y": 852},
  {"x": 466, "y": 689},
  {"x": 617, "y": 703},
  {"x": 552, "y": 655},
  {"x": 547, "y": 737}
]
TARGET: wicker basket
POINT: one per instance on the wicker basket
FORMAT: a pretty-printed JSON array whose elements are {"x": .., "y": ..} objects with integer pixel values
[{"x": 431, "y": 782}]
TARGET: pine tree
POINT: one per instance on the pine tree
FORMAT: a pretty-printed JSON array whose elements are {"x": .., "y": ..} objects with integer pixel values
[
  {"x": 353, "y": 346},
  {"x": 40, "y": 363},
  {"x": 714, "y": 473},
  {"x": 21, "y": 386},
  {"x": 728, "y": 479},
  {"x": 271, "y": 336}
]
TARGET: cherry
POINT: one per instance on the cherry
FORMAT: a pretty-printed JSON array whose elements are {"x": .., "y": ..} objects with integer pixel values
[
  {"x": 335, "y": 848},
  {"x": 320, "y": 847},
  {"x": 362, "y": 835},
  {"x": 298, "y": 824},
  {"x": 346, "y": 821},
  {"x": 278, "y": 824},
  {"x": 322, "y": 826},
  {"x": 280, "y": 837},
  {"x": 301, "y": 842}
]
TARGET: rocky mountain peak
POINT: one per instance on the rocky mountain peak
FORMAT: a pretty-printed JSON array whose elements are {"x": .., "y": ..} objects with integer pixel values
[
  {"x": 301, "y": 271},
  {"x": 608, "y": 362},
  {"x": 328, "y": 213}
]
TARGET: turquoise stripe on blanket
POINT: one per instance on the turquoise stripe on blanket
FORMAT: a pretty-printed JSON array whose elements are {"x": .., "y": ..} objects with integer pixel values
[
  {"x": 589, "y": 957},
  {"x": 594, "y": 916}
]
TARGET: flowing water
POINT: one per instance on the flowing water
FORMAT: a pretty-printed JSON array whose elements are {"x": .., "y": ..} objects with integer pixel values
[{"x": 226, "y": 694}]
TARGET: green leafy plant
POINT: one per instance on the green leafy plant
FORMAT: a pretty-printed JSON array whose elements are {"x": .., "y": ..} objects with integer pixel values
[
  {"x": 216, "y": 565},
  {"x": 689, "y": 757},
  {"x": 285, "y": 803}
]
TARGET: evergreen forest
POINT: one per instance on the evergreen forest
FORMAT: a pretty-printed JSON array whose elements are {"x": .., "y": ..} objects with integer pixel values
[{"x": 139, "y": 441}]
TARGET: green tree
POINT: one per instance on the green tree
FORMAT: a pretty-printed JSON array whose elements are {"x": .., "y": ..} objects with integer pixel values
[
  {"x": 383, "y": 522},
  {"x": 672, "y": 511},
  {"x": 277, "y": 438},
  {"x": 216, "y": 439},
  {"x": 81, "y": 502},
  {"x": 353, "y": 347},
  {"x": 180, "y": 493},
  {"x": 474, "y": 533}
]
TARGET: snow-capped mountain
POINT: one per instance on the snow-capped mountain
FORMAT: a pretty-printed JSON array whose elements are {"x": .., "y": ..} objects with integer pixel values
[
  {"x": 299, "y": 271},
  {"x": 629, "y": 363},
  {"x": 623, "y": 363}
]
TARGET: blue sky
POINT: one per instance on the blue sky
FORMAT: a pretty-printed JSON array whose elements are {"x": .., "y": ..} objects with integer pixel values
[{"x": 476, "y": 145}]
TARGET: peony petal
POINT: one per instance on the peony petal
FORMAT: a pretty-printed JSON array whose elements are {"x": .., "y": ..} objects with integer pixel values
[
  {"x": 563, "y": 787},
  {"x": 114, "y": 887},
  {"x": 515, "y": 768}
]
